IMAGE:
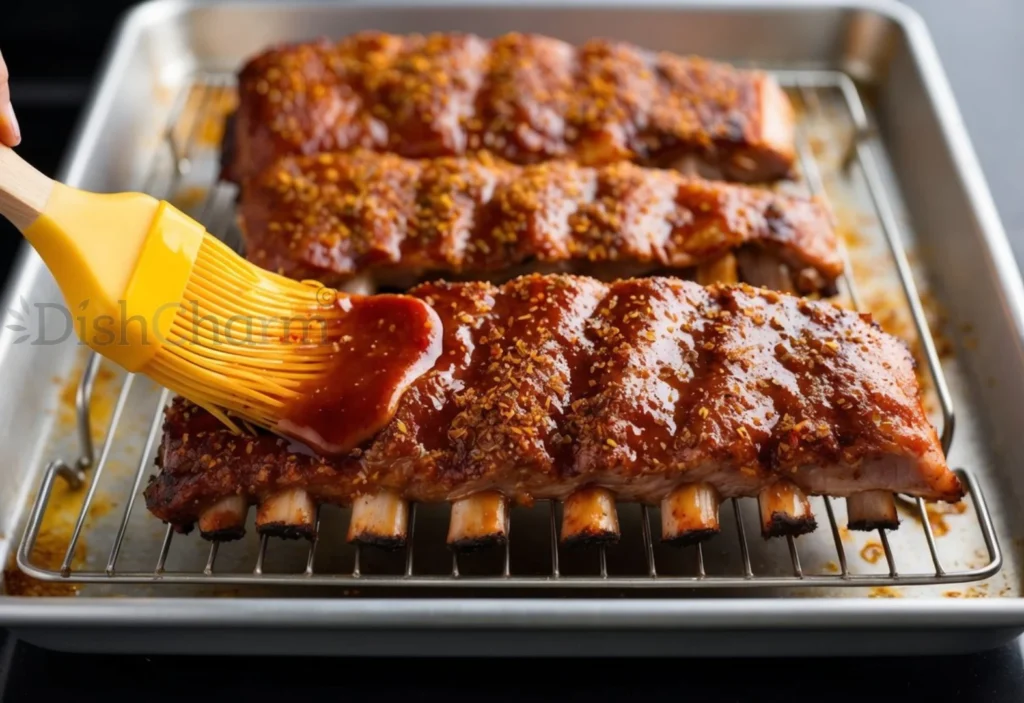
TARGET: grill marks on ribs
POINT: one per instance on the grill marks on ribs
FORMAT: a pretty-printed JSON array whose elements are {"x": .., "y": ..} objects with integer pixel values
[
  {"x": 527, "y": 98},
  {"x": 334, "y": 216},
  {"x": 639, "y": 388}
]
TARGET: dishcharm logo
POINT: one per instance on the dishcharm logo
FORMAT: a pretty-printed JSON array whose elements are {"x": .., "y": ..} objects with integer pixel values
[
  {"x": 18, "y": 320},
  {"x": 48, "y": 324}
]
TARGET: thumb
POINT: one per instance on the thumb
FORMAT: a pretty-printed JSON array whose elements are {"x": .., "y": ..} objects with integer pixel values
[{"x": 10, "y": 133}]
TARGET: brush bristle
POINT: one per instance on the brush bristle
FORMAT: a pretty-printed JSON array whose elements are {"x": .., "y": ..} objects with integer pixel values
[{"x": 246, "y": 340}]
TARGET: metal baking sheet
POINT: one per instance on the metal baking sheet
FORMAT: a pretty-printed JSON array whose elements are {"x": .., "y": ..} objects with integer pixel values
[{"x": 962, "y": 262}]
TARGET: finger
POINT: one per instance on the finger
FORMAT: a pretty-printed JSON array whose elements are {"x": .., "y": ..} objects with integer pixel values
[{"x": 10, "y": 133}]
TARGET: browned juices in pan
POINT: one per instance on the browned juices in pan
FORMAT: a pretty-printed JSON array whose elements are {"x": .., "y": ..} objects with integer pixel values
[{"x": 384, "y": 343}]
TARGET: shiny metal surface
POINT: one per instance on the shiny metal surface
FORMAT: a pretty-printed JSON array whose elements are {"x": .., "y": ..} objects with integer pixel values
[{"x": 911, "y": 152}]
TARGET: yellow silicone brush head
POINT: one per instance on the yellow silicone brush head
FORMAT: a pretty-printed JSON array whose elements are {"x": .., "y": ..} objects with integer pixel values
[
  {"x": 243, "y": 341},
  {"x": 294, "y": 357},
  {"x": 158, "y": 295}
]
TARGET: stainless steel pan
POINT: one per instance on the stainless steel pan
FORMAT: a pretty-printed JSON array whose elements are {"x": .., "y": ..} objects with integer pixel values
[{"x": 880, "y": 136}]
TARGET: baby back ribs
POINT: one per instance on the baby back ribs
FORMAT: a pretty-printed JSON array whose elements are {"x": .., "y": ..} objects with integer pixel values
[
  {"x": 333, "y": 216},
  {"x": 527, "y": 98},
  {"x": 655, "y": 390}
]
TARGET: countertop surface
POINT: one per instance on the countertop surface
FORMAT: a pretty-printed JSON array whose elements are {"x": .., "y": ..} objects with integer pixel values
[
  {"x": 35, "y": 677},
  {"x": 982, "y": 48}
]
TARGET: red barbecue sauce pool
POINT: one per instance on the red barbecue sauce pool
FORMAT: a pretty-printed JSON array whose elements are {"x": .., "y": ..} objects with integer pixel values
[{"x": 385, "y": 342}]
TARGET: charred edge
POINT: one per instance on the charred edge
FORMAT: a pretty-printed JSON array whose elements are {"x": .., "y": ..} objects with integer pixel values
[
  {"x": 689, "y": 514},
  {"x": 477, "y": 544},
  {"x": 688, "y": 539},
  {"x": 388, "y": 543},
  {"x": 589, "y": 537},
  {"x": 224, "y": 521},
  {"x": 182, "y": 529},
  {"x": 288, "y": 514},
  {"x": 872, "y": 510},
  {"x": 283, "y": 530},
  {"x": 872, "y": 524},
  {"x": 589, "y": 516},
  {"x": 785, "y": 525},
  {"x": 224, "y": 534},
  {"x": 478, "y": 522},
  {"x": 379, "y": 521}
]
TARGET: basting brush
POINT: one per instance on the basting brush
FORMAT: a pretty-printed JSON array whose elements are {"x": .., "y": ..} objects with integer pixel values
[{"x": 151, "y": 290}]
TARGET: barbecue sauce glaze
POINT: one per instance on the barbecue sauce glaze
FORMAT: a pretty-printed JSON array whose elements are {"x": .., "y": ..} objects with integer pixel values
[
  {"x": 548, "y": 384},
  {"x": 526, "y": 98},
  {"x": 332, "y": 216},
  {"x": 383, "y": 344}
]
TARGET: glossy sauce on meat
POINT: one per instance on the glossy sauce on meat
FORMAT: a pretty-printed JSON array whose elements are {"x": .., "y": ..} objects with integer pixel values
[
  {"x": 551, "y": 383},
  {"x": 337, "y": 215},
  {"x": 385, "y": 343},
  {"x": 420, "y": 437},
  {"x": 526, "y": 98}
]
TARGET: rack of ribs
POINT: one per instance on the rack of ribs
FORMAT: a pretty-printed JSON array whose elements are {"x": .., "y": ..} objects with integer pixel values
[
  {"x": 332, "y": 217},
  {"x": 527, "y": 98},
  {"x": 655, "y": 390}
]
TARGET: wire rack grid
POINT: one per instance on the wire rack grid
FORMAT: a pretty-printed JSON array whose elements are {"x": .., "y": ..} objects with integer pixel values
[{"x": 189, "y": 118}]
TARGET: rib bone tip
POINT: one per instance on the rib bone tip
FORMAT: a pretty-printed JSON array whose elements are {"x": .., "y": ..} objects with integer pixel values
[
  {"x": 224, "y": 521},
  {"x": 283, "y": 530},
  {"x": 290, "y": 514},
  {"x": 478, "y": 521},
  {"x": 589, "y": 517},
  {"x": 872, "y": 510},
  {"x": 785, "y": 511},
  {"x": 785, "y": 525},
  {"x": 689, "y": 514},
  {"x": 379, "y": 520}
]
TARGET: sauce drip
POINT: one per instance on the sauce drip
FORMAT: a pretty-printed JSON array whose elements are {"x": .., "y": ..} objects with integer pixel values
[{"x": 385, "y": 342}]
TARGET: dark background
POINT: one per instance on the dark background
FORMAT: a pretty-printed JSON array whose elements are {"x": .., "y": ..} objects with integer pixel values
[{"x": 53, "y": 47}]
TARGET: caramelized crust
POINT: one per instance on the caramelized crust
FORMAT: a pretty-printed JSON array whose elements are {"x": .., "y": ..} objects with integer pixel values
[
  {"x": 550, "y": 383},
  {"x": 527, "y": 98},
  {"x": 332, "y": 216}
]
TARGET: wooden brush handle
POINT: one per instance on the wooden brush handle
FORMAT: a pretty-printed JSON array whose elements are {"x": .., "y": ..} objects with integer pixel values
[{"x": 23, "y": 190}]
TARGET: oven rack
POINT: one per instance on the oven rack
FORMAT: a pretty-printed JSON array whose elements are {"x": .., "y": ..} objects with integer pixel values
[{"x": 195, "y": 106}]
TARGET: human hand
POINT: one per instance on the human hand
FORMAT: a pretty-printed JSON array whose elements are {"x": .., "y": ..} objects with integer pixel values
[{"x": 10, "y": 134}]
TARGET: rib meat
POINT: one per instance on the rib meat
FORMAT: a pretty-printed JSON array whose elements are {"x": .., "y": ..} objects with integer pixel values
[
  {"x": 549, "y": 384},
  {"x": 527, "y": 98},
  {"x": 333, "y": 216}
]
